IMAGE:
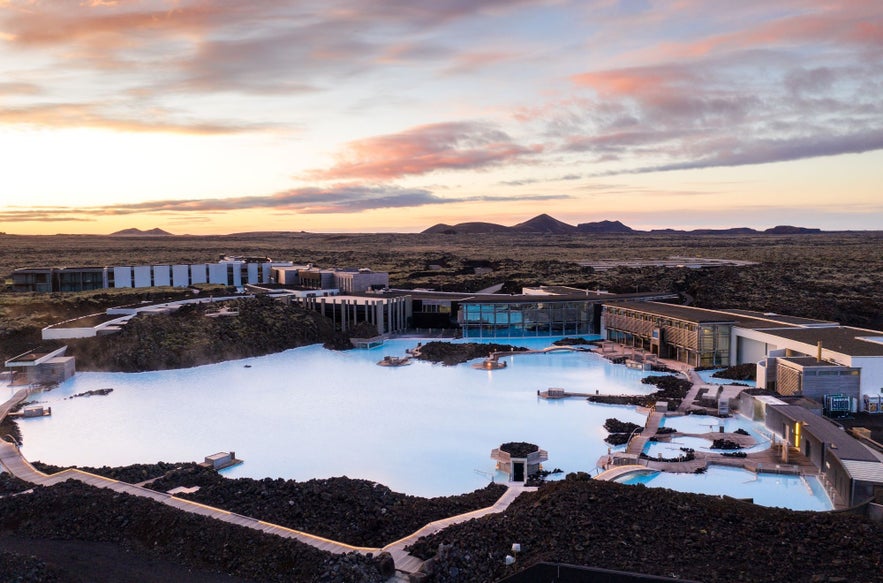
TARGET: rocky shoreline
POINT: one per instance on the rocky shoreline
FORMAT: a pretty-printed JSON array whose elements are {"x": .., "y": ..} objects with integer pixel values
[
  {"x": 658, "y": 532},
  {"x": 145, "y": 529},
  {"x": 352, "y": 511},
  {"x": 450, "y": 353},
  {"x": 577, "y": 521},
  {"x": 355, "y": 512}
]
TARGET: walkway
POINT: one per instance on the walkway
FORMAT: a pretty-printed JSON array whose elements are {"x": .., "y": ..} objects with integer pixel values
[
  {"x": 698, "y": 384},
  {"x": 410, "y": 563},
  {"x": 15, "y": 463},
  {"x": 637, "y": 443}
]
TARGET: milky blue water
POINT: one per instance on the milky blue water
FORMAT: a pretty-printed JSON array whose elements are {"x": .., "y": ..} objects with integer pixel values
[
  {"x": 706, "y": 375},
  {"x": 312, "y": 413},
  {"x": 794, "y": 492},
  {"x": 700, "y": 424}
]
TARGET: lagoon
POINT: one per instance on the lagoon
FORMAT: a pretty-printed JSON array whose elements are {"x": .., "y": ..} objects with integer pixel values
[{"x": 308, "y": 413}]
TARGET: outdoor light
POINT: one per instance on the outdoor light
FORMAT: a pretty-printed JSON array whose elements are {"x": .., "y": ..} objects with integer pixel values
[
  {"x": 509, "y": 560},
  {"x": 516, "y": 548}
]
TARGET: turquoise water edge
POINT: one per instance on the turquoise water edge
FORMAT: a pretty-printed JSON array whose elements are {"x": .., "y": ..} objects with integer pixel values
[{"x": 423, "y": 429}]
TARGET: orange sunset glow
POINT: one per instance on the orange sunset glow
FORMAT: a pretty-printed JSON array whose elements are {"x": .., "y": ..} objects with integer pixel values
[{"x": 352, "y": 116}]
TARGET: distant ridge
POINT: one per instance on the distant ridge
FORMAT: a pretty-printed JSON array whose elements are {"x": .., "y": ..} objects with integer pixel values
[
  {"x": 157, "y": 232},
  {"x": 545, "y": 224},
  {"x": 604, "y": 227},
  {"x": 789, "y": 230},
  {"x": 467, "y": 228}
]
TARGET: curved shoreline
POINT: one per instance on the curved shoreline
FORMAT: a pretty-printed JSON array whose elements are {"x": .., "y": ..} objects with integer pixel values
[{"x": 203, "y": 396}]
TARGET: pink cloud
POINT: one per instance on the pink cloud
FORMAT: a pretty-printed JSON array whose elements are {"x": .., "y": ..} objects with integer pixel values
[
  {"x": 636, "y": 81},
  {"x": 424, "y": 149},
  {"x": 79, "y": 115}
]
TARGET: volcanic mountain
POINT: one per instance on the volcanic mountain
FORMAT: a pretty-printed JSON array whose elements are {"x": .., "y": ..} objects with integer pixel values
[{"x": 156, "y": 232}]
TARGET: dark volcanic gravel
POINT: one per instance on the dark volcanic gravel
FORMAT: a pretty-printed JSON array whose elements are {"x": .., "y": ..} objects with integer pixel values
[
  {"x": 356, "y": 512},
  {"x": 577, "y": 521},
  {"x": 660, "y": 532},
  {"x": 449, "y": 353},
  {"x": 74, "y": 511}
]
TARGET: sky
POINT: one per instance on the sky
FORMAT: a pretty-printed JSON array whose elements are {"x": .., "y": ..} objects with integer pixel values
[{"x": 224, "y": 116}]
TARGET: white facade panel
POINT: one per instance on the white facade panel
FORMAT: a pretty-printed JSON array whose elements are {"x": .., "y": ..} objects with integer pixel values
[
  {"x": 749, "y": 350},
  {"x": 217, "y": 273},
  {"x": 253, "y": 273},
  {"x": 198, "y": 273},
  {"x": 180, "y": 275},
  {"x": 162, "y": 275},
  {"x": 142, "y": 276},
  {"x": 872, "y": 374},
  {"x": 122, "y": 277},
  {"x": 237, "y": 269}
]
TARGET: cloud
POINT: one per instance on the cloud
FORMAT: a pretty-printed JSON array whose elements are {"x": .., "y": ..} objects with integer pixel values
[
  {"x": 424, "y": 149},
  {"x": 269, "y": 46},
  {"x": 18, "y": 88},
  {"x": 750, "y": 151},
  {"x": 338, "y": 199},
  {"x": 779, "y": 89},
  {"x": 344, "y": 198},
  {"x": 79, "y": 115},
  {"x": 42, "y": 216},
  {"x": 527, "y": 181}
]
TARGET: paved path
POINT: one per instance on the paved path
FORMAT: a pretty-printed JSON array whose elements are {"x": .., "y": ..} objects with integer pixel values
[
  {"x": 698, "y": 383},
  {"x": 637, "y": 443},
  {"x": 410, "y": 563}
]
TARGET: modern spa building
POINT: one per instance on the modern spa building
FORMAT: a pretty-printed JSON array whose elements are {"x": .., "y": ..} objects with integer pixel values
[
  {"x": 541, "y": 311},
  {"x": 235, "y": 271},
  {"x": 794, "y": 356}
]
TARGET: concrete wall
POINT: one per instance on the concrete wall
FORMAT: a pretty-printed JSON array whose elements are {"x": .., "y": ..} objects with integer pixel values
[
  {"x": 748, "y": 349},
  {"x": 872, "y": 374},
  {"x": 198, "y": 273},
  {"x": 162, "y": 275},
  {"x": 217, "y": 273},
  {"x": 253, "y": 276},
  {"x": 122, "y": 277},
  {"x": 142, "y": 276},
  {"x": 180, "y": 275}
]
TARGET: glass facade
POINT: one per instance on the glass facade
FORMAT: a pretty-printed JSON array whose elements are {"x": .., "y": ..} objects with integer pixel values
[
  {"x": 79, "y": 280},
  {"x": 492, "y": 320},
  {"x": 697, "y": 344},
  {"x": 714, "y": 345}
]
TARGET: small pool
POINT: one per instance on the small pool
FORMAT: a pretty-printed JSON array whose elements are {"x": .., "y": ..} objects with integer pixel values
[
  {"x": 672, "y": 449},
  {"x": 699, "y": 424},
  {"x": 706, "y": 375},
  {"x": 784, "y": 491}
]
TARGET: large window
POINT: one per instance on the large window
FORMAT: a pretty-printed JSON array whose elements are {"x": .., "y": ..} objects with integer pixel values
[
  {"x": 526, "y": 319},
  {"x": 714, "y": 345}
]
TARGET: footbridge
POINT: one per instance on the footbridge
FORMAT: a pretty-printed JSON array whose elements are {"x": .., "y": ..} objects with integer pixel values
[{"x": 493, "y": 356}]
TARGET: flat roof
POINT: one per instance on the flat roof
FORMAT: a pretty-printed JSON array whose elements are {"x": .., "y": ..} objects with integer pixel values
[
  {"x": 475, "y": 298},
  {"x": 686, "y": 313},
  {"x": 841, "y": 443},
  {"x": 842, "y": 339},
  {"x": 779, "y": 318},
  {"x": 809, "y": 361}
]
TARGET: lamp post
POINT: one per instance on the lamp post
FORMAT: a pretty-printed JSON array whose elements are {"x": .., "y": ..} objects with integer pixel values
[{"x": 631, "y": 435}]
